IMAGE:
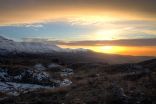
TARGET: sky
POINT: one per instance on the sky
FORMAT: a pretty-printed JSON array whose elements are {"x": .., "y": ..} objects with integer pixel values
[{"x": 126, "y": 27}]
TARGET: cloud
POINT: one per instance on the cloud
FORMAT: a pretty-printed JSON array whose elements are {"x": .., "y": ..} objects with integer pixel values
[
  {"x": 77, "y": 11},
  {"x": 34, "y": 25},
  {"x": 123, "y": 42}
]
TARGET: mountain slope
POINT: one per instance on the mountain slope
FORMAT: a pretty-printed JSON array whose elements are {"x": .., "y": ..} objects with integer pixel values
[
  {"x": 7, "y": 46},
  {"x": 50, "y": 51}
]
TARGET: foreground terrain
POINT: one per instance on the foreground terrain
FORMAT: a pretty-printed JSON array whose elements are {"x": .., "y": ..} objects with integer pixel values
[{"x": 36, "y": 80}]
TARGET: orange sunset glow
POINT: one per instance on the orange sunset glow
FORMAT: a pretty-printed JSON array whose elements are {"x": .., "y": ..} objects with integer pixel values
[
  {"x": 77, "y": 51},
  {"x": 122, "y": 50},
  {"x": 69, "y": 21}
]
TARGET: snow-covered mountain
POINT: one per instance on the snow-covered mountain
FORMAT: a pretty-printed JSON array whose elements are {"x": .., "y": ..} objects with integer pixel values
[
  {"x": 10, "y": 46},
  {"x": 7, "y": 45}
]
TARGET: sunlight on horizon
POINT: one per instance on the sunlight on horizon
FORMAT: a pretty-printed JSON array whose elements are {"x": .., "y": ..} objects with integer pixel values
[
  {"x": 122, "y": 50},
  {"x": 107, "y": 26}
]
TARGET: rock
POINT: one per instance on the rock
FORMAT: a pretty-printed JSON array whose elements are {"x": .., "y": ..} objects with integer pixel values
[
  {"x": 65, "y": 82},
  {"x": 4, "y": 75},
  {"x": 66, "y": 72},
  {"x": 15, "y": 89},
  {"x": 31, "y": 78},
  {"x": 118, "y": 92},
  {"x": 53, "y": 65},
  {"x": 39, "y": 67}
]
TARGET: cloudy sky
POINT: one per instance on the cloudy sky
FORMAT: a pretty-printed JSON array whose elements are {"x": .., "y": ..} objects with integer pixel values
[{"x": 110, "y": 26}]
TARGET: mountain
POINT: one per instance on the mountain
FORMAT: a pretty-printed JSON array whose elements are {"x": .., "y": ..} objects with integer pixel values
[
  {"x": 41, "y": 73},
  {"x": 51, "y": 51},
  {"x": 7, "y": 46}
]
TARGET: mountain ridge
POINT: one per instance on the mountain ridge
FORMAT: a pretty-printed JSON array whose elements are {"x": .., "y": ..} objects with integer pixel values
[
  {"x": 10, "y": 46},
  {"x": 13, "y": 49}
]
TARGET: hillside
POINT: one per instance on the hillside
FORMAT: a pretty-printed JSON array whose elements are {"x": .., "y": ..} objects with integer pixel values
[
  {"x": 24, "y": 50},
  {"x": 77, "y": 83}
]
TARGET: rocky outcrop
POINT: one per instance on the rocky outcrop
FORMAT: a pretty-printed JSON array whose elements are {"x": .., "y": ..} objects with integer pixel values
[{"x": 32, "y": 78}]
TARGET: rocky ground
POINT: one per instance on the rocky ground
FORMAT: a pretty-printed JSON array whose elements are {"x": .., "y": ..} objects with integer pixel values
[
  {"x": 22, "y": 79},
  {"x": 79, "y": 83}
]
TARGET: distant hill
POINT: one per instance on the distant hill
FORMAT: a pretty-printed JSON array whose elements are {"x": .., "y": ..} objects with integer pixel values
[
  {"x": 149, "y": 64},
  {"x": 12, "y": 49}
]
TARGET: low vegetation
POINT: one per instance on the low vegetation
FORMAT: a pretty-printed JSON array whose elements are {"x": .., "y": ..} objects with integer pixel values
[{"x": 95, "y": 83}]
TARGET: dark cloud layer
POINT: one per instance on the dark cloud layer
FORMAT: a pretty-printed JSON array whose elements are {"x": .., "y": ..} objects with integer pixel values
[
  {"x": 146, "y": 6},
  {"x": 123, "y": 42},
  {"x": 143, "y": 5},
  {"x": 29, "y": 10}
]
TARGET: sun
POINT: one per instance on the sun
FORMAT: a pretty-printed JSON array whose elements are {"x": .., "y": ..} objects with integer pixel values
[
  {"x": 101, "y": 49},
  {"x": 111, "y": 49},
  {"x": 107, "y": 49},
  {"x": 109, "y": 34}
]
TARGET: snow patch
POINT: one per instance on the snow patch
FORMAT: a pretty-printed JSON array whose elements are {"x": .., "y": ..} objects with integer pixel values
[
  {"x": 65, "y": 82},
  {"x": 39, "y": 67},
  {"x": 4, "y": 75},
  {"x": 66, "y": 72},
  {"x": 15, "y": 89},
  {"x": 32, "y": 78}
]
